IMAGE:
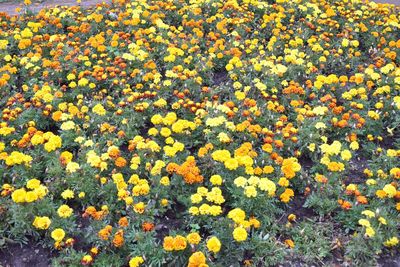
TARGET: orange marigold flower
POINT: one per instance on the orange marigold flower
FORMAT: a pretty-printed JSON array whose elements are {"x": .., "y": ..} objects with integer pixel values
[
  {"x": 362, "y": 200},
  {"x": 123, "y": 222},
  {"x": 118, "y": 240},
  {"x": 188, "y": 170},
  {"x": 105, "y": 232},
  {"x": 147, "y": 226},
  {"x": 344, "y": 204},
  {"x": 179, "y": 242},
  {"x": 289, "y": 167},
  {"x": 120, "y": 162}
]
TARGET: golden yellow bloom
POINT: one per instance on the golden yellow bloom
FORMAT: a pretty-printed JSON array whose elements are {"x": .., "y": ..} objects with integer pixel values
[
  {"x": 64, "y": 211},
  {"x": 213, "y": 244},
  {"x": 41, "y": 222},
  {"x": 239, "y": 234},
  {"x": 18, "y": 196},
  {"x": 58, "y": 234},
  {"x": 193, "y": 238},
  {"x": 136, "y": 261},
  {"x": 289, "y": 167}
]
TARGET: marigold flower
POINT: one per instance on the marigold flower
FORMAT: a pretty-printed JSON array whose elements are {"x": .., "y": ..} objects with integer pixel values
[
  {"x": 289, "y": 167},
  {"x": 213, "y": 244},
  {"x": 168, "y": 243},
  {"x": 239, "y": 234},
  {"x": 147, "y": 226},
  {"x": 64, "y": 211},
  {"x": 41, "y": 222},
  {"x": 289, "y": 243},
  {"x": 123, "y": 222},
  {"x": 58, "y": 234},
  {"x": 136, "y": 261},
  {"x": 197, "y": 259},
  {"x": 87, "y": 260},
  {"x": 118, "y": 240},
  {"x": 193, "y": 238}
]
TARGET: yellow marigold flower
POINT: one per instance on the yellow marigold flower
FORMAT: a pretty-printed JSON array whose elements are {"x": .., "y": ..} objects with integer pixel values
[
  {"x": 64, "y": 211},
  {"x": 250, "y": 191},
  {"x": 354, "y": 145},
  {"x": 391, "y": 242},
  {"x": 53, "y": 143},
  {"x": 136, "y": 261},
  {"x": 395, "y": 172},
  {"x": 216, "y": 179},
  {"x": 196, "y": 198},
  {"x": 139, "y": 207},
  {"x": 67, "y": 194},
  {"x": 213, "y": 244},
  {"x": 204, "y": 209},
  {"x": 370, "y": 232},
  {"x": 346, "y": 155},
  {"x": 193, "y": 238},
  {"x": 194, "y": 210},
  {"x": 71, "y": 76},
  {"x": 68, "y": 125},
  {"x": 267, "y": 185},
  {"x": 18, "y": 196},
  {"x": 164, "y": 181},
  {"x": 31, "y": 196},
  {"x": 253, "y": 180},
  {"x": 364, "y": 222},
  {"x": 86, "y": 260},
  {"x": 152, "y": 131},
  {"x": 83, "y": 82},
  {"x": 221, "y": 155},
  {"x": 239, "y": 234},
  {"x": 33, "y": 184},
  {"x": 390, "y": 190},
  {"x": 72, "y": 167},
  {"x": 254, "y": 222},
  {"x": 165, "y": 132},
  {"x": 237, "y": 215},
  {"x": 197, "y": 259},
  {"x": 240, "y": 181},
  {"x": 268, "y": 169},
  {"x": 311, "y": 147},
  {"x": 58, "y": 234},
  {"x": 156, "y": 119},
  {"x": 286, "y": 195},
  {"x": 231, "y": 164},
  {"x": 215, "y": 210},
  {"x": 41, "y": 222},
  {"x": 368, "y": 213},
  {"x": 382, "y": 220},
  {"x": 99, "y": 110}
]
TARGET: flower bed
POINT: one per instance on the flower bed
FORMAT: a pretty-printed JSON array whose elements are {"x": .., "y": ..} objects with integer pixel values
[{"x": 202, "y": 133}]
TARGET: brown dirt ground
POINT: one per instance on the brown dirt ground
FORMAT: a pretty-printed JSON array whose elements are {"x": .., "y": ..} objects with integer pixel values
[{"x": 25, "y": 256}]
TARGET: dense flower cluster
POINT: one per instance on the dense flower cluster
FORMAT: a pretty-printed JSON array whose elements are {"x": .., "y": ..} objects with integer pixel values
[{"x": 202, "y": 132}]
